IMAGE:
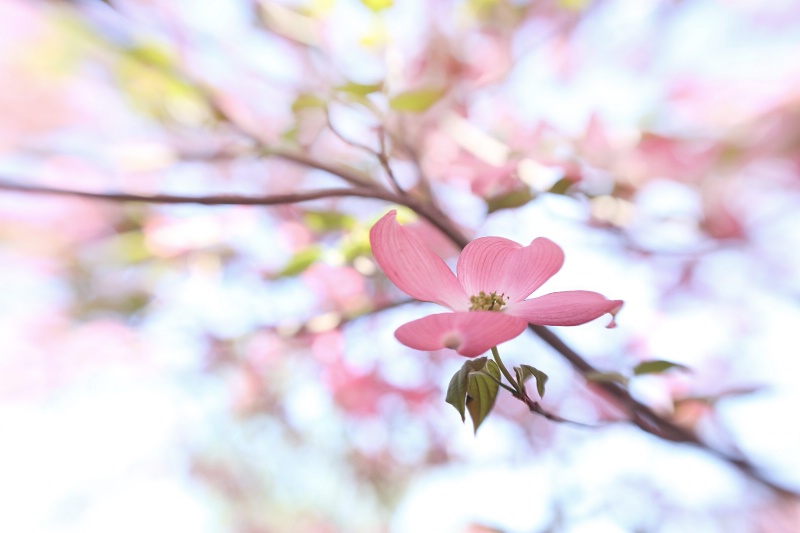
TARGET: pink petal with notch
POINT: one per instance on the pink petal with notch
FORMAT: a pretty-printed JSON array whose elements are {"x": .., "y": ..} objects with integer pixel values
[
  {"x": 495, "y": 264},
  {"x": 469, "y": 333},
  {"x": 568, "y": 308}
]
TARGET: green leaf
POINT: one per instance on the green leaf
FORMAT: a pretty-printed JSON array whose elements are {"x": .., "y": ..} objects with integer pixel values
[
  {"x": 152, "y": 87},
  {"x": 562, "y": 186},
  {"x": 301, "y": 261},
  {"x": 291, "y": 134},
  {"x": 307, "y": 101},
  {"x": 457, "y": 390},
  {"x": 322, "y": 221},
  {"x": 377, "y": 5},
  {"x": 714, "y": 398},
  {"x": 354, "y": 247},
  {"x": 130, "y": 246},
  {"x": 416, "y": 101},
  {"x": 509, "y": 200},
  {"x": 482, "y": 6},
  {"x": 656, "y": 367},
  {"x": 607, "y": 377},
  {"x": 525, "y": 372},
  {"x": 151, "y": 54},
  {"x": 359, "y": 89},
  {"x": 574, "y": 5},
  {"x": 482, "y": 392}
]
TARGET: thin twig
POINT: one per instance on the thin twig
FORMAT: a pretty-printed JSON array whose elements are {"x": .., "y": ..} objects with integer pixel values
[
  {"x": 289, "y": 155},
  {"x": 350, "y": 142},
  {"x": 536, "y": 407},
  {"x": 383, "y": 157},
  {"x": 380, "y": 155},
  {"x": 426, "y": 209},
  {"x": 350, "y": 176},
  {"x": 517, "y": 387},
  {"x": 422, "y": 178}
]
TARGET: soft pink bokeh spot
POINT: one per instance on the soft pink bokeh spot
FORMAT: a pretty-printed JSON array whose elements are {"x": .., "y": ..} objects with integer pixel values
[{"x": 489, "y": 265}]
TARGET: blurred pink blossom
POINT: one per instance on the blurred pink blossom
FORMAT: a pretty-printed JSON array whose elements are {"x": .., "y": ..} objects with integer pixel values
[
  {"x": 341, "y": 288},
  {"x": 358, "y": 391}
]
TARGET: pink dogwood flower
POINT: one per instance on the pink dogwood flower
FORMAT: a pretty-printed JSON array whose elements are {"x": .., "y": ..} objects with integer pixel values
[{"x": 488, "y": 295}]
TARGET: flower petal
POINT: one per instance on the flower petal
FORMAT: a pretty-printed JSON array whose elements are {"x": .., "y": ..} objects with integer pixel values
[
  {"x": 568, "y": 308},
  {"x": 495, "y": 264},
  {"x": 469, "y": 333},
  {"x": 413, "y": 267}
]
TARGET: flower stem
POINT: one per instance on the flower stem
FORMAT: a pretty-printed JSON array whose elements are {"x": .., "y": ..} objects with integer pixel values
[
  {"x": 505, "y": 371},
  {"x": 490, "y": 376}
]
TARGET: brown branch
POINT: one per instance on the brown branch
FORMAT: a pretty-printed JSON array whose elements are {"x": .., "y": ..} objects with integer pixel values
[
  {"x": 434, "y": 216},
  {"x": 350, "y": 176},
  {"x": 645, "y": 418},
  {"x": 276, "y": 199}
]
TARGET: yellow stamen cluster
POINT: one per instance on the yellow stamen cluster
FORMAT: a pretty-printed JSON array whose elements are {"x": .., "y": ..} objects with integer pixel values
[{"x": 487, "y": 302}]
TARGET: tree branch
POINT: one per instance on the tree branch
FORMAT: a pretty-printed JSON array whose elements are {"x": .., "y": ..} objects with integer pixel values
[
  {"x": 645, "y": 418},
  {"x": 276, "y": 199},
  {"x": 350, "y": 176}
]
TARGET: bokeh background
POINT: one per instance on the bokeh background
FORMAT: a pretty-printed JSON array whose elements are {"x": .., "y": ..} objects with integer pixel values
[{"x": 233, "y": 369}]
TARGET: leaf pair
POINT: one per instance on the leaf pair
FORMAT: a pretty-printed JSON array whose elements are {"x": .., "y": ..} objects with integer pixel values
[
  {"x": 474, "y": 388},
  {"x": 525, "y": 372}
]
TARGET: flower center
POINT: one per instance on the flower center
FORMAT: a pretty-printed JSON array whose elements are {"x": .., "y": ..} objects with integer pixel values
[{"x": 487, "y": 302}]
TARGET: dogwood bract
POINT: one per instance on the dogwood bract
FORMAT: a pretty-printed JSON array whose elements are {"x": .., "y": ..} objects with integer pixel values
[{"x": 487, "y": 296}]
